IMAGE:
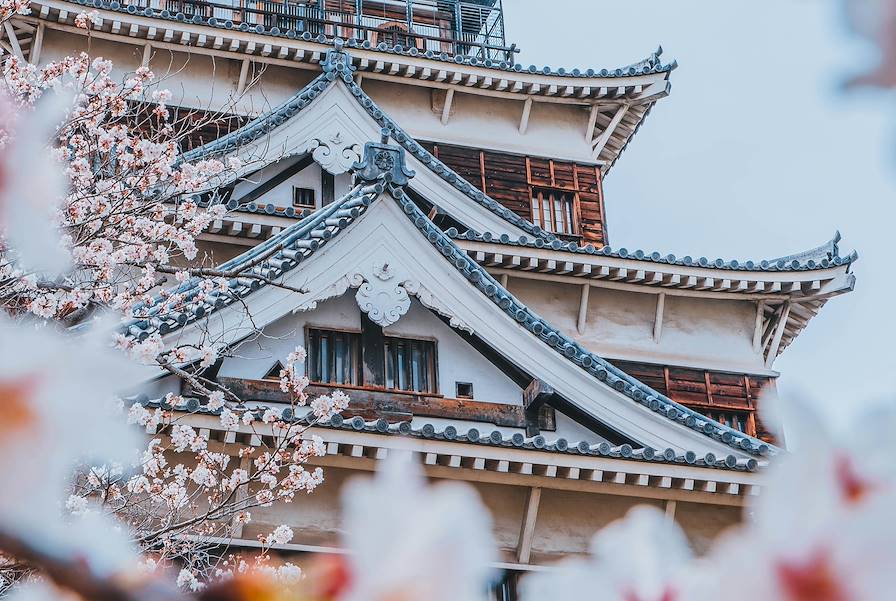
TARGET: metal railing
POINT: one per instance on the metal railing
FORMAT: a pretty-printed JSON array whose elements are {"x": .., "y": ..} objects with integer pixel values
[{"x": 454, "y": 28}]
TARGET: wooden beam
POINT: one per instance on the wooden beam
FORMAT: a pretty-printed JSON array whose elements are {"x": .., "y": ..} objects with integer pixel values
[
  {"x": 757, "y": 329},
  {"x": 601, "y": 142},
  {"x": 671, "y": 505},
  {"x": 327, "y": 187},
  {"x": 524, "y": 118},
  {"x": 37, "y": 44},
  {"x": 446, "y": 107},
  {"x": 527, "y": 528},
  {"x": 147, "y": 55},
  {"x": 373, "y": 352},
  {"x": 658, "y": 318},
  {"x": 504, "y": 279},
  {"x": 393, "y": 405},
  {"x": 242, "y": 494},
  {"x": 244, "y": 75},
  {"x": 592, "y": 119},
  {"x": 583, "y": 308},
  {"x": 537, "y": 394},
  {"x": 779, "y": 334},
  {"x": 13, "y": 40}
]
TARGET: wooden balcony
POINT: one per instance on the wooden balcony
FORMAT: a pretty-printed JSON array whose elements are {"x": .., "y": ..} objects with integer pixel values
[{"x": 397, "y": 405}]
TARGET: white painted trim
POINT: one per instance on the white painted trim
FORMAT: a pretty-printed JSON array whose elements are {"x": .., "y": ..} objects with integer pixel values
[
  {"x": 592, "y": 119},
  {"x": 583, "y": 308},
  {"x": 361, "y": 450},
  {"x": 37, "y": 44},
  {"x": 760, "y": 323},
  {"x": 779, "y": 334}
]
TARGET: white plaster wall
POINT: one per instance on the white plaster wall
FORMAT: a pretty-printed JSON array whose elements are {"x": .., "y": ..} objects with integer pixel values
[
  {"x": 199, "y": 80},
  {"x": 698, "y": 332},
  {"x": 195, "y": 80},
  {"x": 567, "y": 520},
  {"x": 555, "y": 130},
  {"x": 704, "y": 523},
  {"x": 572, "y": 431},
  {"x": 281, "y": 196},
  {"x": 457, "y": 361},
  {"x": 315, "y": 518}
]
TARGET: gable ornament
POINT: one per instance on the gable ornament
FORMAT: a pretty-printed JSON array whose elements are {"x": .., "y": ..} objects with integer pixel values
[
  {"x": 383, "y": 297},
  {"x": 334, "y": 152}
]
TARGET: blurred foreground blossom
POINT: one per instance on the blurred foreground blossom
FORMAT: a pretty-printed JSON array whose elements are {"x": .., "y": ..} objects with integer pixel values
[
  {"x": 822, "y": 529},
  {"x": 57, "y": 407},
  {"x": 443, "y": 551},
  {"x": 32, "y": 186},
  {"x": 642, "y": 557},
  {"x": 875, "y": 21}
]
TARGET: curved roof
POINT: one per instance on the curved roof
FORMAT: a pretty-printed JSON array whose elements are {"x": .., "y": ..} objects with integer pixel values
[
  {"x": 301, "y": 240},
  {"x": 337, "y": 67},
  {"x": 494, "y": 438},
  {"x": 822, "y": 257}
]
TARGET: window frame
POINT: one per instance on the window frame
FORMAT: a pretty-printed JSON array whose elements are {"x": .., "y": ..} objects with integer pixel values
[
  {"x": 297, "y": 205},
  {"x": 556, "y": 196},
  {"x": 355, "y": 336},
  {"x": 432, "y": 360}
]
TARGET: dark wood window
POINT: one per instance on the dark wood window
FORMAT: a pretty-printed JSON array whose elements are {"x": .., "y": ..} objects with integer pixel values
[
  {"x": 334, "y": 357},
  {"x": 554, "y": 210},
  {"x": 728, "y": 398},
  {"x": 410, "y": 364},
  {"x": 303, "y": 198},
  {"x": 464, "y": 390}
]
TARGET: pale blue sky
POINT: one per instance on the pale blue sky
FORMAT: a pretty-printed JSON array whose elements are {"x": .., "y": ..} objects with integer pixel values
[{"x": 756, "y": 153}]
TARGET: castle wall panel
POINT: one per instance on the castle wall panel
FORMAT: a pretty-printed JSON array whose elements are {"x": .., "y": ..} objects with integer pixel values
[{"x": 510, "y": 178}]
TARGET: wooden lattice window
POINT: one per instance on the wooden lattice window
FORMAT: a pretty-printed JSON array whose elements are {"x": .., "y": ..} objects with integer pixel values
[
  {"x": 555, "y": 210},
  {"x": 411, "y": 364},
  {"x": 335, "y": 357}
]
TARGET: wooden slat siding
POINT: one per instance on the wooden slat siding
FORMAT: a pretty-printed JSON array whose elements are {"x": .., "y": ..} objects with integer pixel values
[
  {"x": 192, "y": 127},
  {"x": 510, "y": 178},
  {"x": 506, "y": 182},
  {"x": 601, "y": 212},
  {"x": 373, "y": 403},
  {"x": 591, "y": 205},
  {"x": 707, "y": 392}
]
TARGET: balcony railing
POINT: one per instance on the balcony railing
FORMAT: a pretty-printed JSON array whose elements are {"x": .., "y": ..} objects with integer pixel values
[{"x": 454, "y": 28}]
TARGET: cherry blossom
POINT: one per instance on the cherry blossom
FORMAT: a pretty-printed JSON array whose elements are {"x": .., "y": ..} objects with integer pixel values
[
  {"x": 822, "y": 528},
  {"x": 642, "y": 557},
  {"x": 875, "y": 22},
  {"x": 445, "y": 552}
]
